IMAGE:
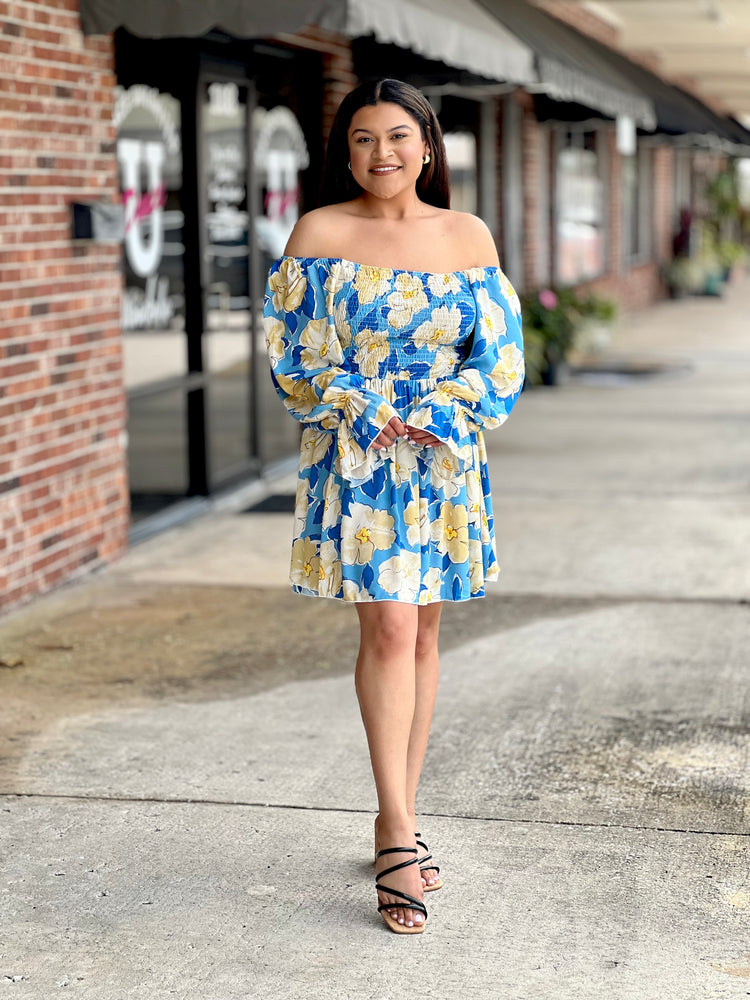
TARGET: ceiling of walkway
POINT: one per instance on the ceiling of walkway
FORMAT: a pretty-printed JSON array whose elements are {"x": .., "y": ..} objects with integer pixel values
[{"x": 705, "y": 41}]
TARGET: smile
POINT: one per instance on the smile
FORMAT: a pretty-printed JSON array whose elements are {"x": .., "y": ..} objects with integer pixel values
[{"x": 384, "y": 170}]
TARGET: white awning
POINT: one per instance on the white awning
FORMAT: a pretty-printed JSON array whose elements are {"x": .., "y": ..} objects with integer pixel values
[{"x": 460, "y": 33}]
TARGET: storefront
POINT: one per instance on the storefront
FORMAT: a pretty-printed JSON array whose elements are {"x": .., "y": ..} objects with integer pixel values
[{"x": 215, "y": 139}]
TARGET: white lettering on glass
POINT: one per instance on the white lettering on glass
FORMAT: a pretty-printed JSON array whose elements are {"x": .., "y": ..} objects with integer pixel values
[{"x": 143, "y": 255}]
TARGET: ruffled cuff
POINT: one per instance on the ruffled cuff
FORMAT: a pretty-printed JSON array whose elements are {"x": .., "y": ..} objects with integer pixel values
[
  {"x": 357, "y": 460},
  {"x": 448, "y": 423}
]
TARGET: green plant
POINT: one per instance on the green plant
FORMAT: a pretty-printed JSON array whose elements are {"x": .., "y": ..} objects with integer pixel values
[{"x": 729, "y": 253}]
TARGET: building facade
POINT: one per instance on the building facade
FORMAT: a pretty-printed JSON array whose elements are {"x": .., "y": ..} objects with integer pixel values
[{"x": 132, "y": 366}]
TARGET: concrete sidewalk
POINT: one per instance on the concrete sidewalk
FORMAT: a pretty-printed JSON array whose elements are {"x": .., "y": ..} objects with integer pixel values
[{"x": 186, "y": 798}]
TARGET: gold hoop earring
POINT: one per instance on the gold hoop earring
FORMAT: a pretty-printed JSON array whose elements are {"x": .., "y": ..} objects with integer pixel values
[{"x": 426, "y": 158}]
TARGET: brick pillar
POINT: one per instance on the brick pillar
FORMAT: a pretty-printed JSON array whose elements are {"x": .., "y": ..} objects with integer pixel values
[{"x": 63, "y": 490}]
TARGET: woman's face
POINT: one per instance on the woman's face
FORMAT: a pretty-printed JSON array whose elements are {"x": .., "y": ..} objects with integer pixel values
[{"x": 386, "y": 149}]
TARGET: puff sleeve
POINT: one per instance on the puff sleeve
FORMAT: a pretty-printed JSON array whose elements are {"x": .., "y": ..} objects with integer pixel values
[
  {"x": 306, "y": 354},
  {"x": 487, "y": 384}
]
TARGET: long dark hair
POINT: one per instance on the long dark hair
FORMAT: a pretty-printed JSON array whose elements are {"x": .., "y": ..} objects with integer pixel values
[{"x": 338, "y": 184}]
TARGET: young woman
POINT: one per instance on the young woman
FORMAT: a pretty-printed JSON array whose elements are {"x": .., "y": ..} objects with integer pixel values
[{"x": 395, "y": 338}]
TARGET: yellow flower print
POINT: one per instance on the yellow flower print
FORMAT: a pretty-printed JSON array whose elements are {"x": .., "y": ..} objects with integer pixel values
[
  {"x": 507, "y": 375},
  {"x": 411, "y": 520},
  {"x": 458, "y": 389},
  {"x": 329, "y": 571},
  {"x": 353, "y": 593},
  {"x": 373, "y": 347},
  {"x": 407, "y": 299},
  {"x": 402, "y": 575},
  {"x": 372, "y": 282},
  {"x": 341, "y": 322},
  {"x": 431, "y": 584},
  {"x": 300, "y": 507},
  {"x": 288, "y": 286},
  {"x": 300, "y": 394},
  {"x": 491, "y": 316},
  {"x": 351, "y": 402},
  {"x": 443, "y": 327},
  {"x": 314, "y": 447},
  {"x": 321, "y": 346},
  {"x": 363, "y": 530},
  {"x": 275, "y": 341},
  {"x": 450, "y": 531},
  {"x": 331, "y": 503},
  {"x": 305, "y": 571},
  {"x": 443, "y": 284}
]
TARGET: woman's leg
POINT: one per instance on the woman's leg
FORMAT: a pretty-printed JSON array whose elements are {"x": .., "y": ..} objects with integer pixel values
[
  {"x": 386, "y": 687},
  {"x": 427, "y": 672}
]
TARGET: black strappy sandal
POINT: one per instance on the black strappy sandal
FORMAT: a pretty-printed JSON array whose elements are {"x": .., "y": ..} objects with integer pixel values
[
  {"x": 410, "y": 902},
  {"x": 423, "y": 867}
]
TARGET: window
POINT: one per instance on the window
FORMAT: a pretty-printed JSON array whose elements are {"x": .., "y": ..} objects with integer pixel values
[
  {"x": 580, "y": 209},
  {"x": 636, "y": 205}
]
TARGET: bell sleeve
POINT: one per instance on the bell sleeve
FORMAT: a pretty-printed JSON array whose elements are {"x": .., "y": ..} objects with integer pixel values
[
  {"x": 307, "y": 353},
  {"x": 487, "y": 384}
]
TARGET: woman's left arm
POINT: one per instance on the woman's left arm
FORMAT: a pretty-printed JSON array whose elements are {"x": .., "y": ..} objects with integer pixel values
[{"x": 484, "y": 390}]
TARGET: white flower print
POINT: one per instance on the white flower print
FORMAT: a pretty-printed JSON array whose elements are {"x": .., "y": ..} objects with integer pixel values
[
  {"x": 329, "y": 571},
  {"x": 407, "y": 299},
  {"x": 491, "y": 316},
  {"x": 314, "y": 447},
  {"x": 510, "y": 294},
  {"x": 372, "y": 283},
  {"x": 363, "y": 530},
  {"x": 331, "y": 503},
  {"x": 445, "y": 363},
  {"x": 443, "y": 327},
  {"x": 431, "y": 586},
  {"x": 372, "y": 348},
  {"x": 507, "y": 375},
  {"x": 401, "y": 575},
  {"x": 342, "y": 273},
  {"x": 444, "y": 284},
  {"x": 321, "y": 347}
]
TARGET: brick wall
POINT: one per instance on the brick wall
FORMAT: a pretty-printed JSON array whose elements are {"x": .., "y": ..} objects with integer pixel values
[{"x": 63, "y": 490}]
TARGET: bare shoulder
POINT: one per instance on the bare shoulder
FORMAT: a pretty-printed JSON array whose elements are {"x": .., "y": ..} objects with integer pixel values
[
  {"x": 472, "y": 240},
  {"x": 319, "y": 232}
]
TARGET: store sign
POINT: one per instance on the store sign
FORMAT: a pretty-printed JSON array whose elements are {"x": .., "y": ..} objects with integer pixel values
[
  {"x": 280, "y": 153},
  {"x": 147, "y": 137}
]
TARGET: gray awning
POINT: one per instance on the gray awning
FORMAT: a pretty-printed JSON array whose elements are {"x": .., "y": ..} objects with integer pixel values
[
  {"x": 570, "y": 66},
  {"x": 192, "y": 18},
  {"x": 460, "y": 33}
]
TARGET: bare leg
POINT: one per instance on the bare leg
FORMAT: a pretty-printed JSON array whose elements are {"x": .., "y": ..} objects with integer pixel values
[
  {"x": 427, "y": 672},
  {"x": 386, "y": 688}
]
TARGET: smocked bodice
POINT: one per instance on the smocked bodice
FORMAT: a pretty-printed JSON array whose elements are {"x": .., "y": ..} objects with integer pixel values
[{"x": 403, "y": 325}]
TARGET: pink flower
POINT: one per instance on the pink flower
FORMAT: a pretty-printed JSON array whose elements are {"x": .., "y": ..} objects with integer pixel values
[{"x": 548, "y": 299}]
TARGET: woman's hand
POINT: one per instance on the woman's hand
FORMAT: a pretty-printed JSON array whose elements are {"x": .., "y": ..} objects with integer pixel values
[
  {"x": 422, "y": 438},
  {"x": 395, "y": 428}
]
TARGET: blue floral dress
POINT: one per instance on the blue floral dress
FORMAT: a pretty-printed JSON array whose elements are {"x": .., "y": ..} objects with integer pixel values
[{"x": 351, "y": 345}]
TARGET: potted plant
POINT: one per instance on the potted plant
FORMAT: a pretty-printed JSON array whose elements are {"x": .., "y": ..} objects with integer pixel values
[
  {"x": 548, "y": 333},
  {"x": 597, "y": 318}
]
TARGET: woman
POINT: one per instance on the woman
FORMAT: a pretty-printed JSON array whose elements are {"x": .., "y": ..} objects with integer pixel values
[{"x": 394, "y": 338}]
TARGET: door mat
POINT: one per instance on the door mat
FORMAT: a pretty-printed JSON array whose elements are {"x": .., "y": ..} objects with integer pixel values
[{"x": 276, "y": 503}]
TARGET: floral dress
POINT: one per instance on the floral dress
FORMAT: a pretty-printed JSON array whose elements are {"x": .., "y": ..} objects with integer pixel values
[{"x": 351, "y": 345}]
